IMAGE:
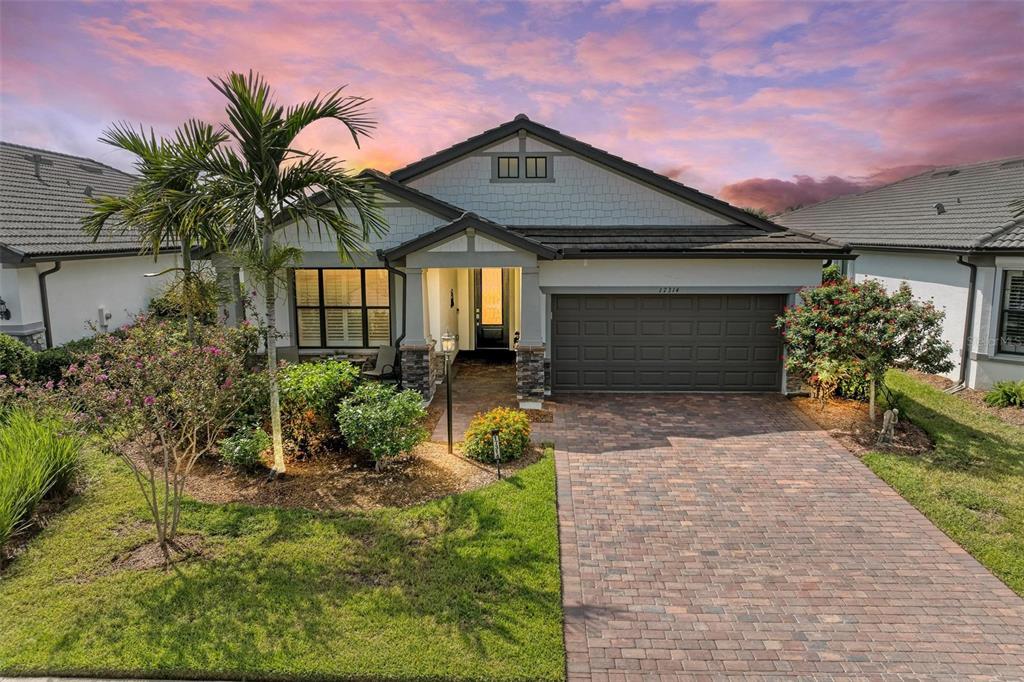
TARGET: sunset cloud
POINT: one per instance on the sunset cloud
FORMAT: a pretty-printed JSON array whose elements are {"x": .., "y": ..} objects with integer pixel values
[{"x": 768, "y": 103}]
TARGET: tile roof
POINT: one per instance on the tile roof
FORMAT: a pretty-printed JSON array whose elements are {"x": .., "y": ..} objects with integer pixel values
[
  {"x": 975, "y": 199},
  {"x": 40, "y": 215},
  {"x": 636, "y": 240}
]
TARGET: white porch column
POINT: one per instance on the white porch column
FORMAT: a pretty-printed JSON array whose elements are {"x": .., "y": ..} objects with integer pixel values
[
  {"x": 532, "y": 309},
  {"x": 415, "y": 306}
]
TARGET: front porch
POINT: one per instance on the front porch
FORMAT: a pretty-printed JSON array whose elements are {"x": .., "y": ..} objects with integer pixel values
[{"x": 481, "y": 284}]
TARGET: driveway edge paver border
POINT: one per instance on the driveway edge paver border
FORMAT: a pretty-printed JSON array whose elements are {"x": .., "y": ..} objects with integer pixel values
[{"x": 574, "y": 630}]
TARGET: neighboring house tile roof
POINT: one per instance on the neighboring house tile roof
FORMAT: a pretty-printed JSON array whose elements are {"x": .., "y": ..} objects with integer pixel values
[
  {"x": 653, "y": 240},
  {"x": 43, "y": 199},
  {"x": 975, "y": 213}
]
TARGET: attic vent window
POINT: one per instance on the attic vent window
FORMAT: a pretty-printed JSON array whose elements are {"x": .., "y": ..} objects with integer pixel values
[
  {"x": 90, "y": 169},
  {"x": 536, "y": 166},
  {"x": 508, "y": 166}
]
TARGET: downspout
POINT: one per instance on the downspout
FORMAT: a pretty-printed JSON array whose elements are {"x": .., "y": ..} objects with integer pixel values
[
  {"x": 965, "y": 350},
  {"x": 45, "y": 302}
]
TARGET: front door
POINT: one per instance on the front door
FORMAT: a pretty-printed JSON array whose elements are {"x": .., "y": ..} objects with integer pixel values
[{"x": 491, "y": 288}]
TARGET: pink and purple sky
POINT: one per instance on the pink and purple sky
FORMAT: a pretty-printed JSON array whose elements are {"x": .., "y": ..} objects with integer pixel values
[{"x": 767, "y": 104}]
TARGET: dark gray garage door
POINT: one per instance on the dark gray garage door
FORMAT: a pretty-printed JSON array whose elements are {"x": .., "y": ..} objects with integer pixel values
[{"x": 628, "y": 342}]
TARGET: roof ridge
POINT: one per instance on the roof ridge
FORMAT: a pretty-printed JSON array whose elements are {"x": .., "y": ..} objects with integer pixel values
[{"x": 69, "y": 156}]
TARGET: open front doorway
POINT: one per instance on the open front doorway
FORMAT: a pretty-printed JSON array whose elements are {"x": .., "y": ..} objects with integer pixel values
[{"x": 491, "y": 314}]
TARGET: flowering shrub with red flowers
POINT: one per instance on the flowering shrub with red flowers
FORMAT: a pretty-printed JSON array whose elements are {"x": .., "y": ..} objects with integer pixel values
[
  {"x": 865, "y": 330},
  {"x": 162, "y": 399}
]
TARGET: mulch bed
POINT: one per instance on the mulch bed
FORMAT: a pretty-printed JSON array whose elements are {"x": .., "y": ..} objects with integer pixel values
[
  {"x": 149, "y": 555},
  {"x": 1010, "y": 415},
  {"x": 849, "y": 422},
  {"x": 342, "y": 481}
]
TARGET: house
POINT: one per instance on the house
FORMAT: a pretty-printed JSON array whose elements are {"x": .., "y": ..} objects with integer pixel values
[
  {"x": 56, "y": 284},
  {"x": 599, "y": 275},
  {"x": 951, "y": 234}
]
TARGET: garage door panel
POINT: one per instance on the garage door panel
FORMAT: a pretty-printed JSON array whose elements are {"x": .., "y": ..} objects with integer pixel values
[{"x": 613, "y": 342}]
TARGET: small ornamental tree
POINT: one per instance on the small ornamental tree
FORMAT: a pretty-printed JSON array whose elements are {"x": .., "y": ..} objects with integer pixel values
[
  {"x": 865, "y": 329},
  {"x": 161, "y": 399}
]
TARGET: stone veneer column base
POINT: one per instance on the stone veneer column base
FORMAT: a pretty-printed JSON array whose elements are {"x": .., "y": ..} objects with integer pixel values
[
  {"x": 417, "y": 370},
  {"x": 530, "y": 376}
]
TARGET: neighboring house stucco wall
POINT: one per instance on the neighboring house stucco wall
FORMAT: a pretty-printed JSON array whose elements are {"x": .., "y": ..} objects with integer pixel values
[
  {"x": 80, "y": 288},
  {"x": 940, "y": 278},
  {"x": 578, "y": 192},
  {"x": 931, "y": 276}
]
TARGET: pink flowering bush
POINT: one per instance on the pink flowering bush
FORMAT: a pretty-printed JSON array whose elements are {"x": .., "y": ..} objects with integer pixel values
[
  {"x": 162, "y": 400},
  {"x": 849, "y": 331}
]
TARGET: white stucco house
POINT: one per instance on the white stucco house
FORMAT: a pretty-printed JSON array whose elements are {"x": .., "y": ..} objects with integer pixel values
[
  {"x": 951, "y": 234},
  {"x": 598, "y": 274},
  {"x": 56, "y": 284}
]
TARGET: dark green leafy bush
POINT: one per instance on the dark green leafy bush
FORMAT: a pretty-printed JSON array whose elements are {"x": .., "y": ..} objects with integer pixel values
[
  {"x": 317, "y": 386},
  {"x": 52, "y": 362},
  {"x": 244, "y": 448},
  {"x": 16, "y": 359},
  {"x": 382, "y": 422},
  {"x": 513, "y": 428},
  {"x": 1006, "y": 394},
  {"x": 37, "y": 456}
]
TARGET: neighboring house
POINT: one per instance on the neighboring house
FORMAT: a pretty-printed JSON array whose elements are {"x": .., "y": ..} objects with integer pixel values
[
  {"x": 601, "y": 275},
  {"x": 56, "y": 284},
  {"x": 952, "y": 236}
]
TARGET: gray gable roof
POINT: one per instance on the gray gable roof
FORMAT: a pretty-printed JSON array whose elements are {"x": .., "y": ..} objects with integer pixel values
[
  {"x": 643, "y": 175},
  {"x": 975, "y": 209},
  {"x": 40, "y": 215}
]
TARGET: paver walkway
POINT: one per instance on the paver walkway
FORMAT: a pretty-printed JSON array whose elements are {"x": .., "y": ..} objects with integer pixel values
[
  {"x": 706, "y": 535},
  {"x": 478, "y": 385}
]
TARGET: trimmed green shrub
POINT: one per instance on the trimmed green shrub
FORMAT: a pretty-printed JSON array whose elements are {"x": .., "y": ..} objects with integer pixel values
[
  {"x": 202, "y": 294},
  {"x": 37, "y": 456},
  {"x": 382, "y": 422},
  {"x": 317, "y": 386},
  {"x": 513, "y": 428},
  {"x": 243, "y": 450},
  {"x": 16, "y": 359},
  {"x": 1006, "y": 394},
  {"x": 52, "y": 362}
]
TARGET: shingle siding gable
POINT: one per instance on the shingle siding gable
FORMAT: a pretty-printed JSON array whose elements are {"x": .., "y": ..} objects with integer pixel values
[{"x": 580, "y": 192}]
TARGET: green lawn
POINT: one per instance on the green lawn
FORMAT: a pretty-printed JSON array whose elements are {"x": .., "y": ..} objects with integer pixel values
[
  {"x": 972, "y": 485},
  {"x": 463, "y": 588}
]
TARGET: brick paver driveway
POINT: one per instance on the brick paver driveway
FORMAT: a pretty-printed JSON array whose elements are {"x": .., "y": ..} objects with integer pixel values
[{"x": 724, "y": 534}]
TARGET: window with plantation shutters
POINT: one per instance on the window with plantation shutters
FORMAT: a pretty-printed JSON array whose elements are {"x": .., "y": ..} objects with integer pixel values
[
  {"x": 1011, "y": 328},
  {"x": 342, "y": 307}
]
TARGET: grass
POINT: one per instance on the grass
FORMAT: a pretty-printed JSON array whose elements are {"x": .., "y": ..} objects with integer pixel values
[
  {"x": 462, "y": 588},
  {"x": 972, "y": 485}
]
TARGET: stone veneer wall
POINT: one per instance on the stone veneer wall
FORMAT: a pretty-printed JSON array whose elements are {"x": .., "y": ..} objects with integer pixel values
[
  {"x": 530, "y": 373},
  {"x": 418, "y": 367}
]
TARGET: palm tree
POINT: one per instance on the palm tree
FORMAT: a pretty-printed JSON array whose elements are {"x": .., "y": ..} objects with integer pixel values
[
  {"x": 261, "y": 181},
  {"x": 166, "y": 206}
]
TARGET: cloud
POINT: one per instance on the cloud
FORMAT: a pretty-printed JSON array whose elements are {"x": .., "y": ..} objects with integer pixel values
[
  {"x": 746, "y": 20},
  {"x": 775, "y": 195},
  {"x": 634, "y": 57}
]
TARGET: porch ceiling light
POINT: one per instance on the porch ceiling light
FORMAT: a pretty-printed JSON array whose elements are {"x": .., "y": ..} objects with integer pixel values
[{"x": 448, "y": 344}]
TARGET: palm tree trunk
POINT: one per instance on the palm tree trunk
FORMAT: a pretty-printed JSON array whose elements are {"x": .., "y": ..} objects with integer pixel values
[
  {"x": 275, "y": 392},
  {"x": 186, "y": 267}
]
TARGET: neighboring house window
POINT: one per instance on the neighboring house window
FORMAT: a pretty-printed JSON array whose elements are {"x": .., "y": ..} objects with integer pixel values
[
  {"x": 536, "y": 166},
  {"x": 1011, "y": 333},
  {"x": 342, "y": 307},
  {"x": 508, "y": 166}
]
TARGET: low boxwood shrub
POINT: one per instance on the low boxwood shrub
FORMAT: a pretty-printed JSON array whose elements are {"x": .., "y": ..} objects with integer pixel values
[
  {"x": 1006, "y": 394},
  {"x": 244, "y": 448},
  {"x": 16, "y": 359},
  {"x": 382, "y": 422},
  {"x": 317, "y": 386},
  {"x": 37, "y": 456},
  {"x": 53, "y": 362},
  {"x": 513, "y": 427}
]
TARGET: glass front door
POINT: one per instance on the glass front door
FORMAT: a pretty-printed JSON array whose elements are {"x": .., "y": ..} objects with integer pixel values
[{"x": 491, "y": 287}]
